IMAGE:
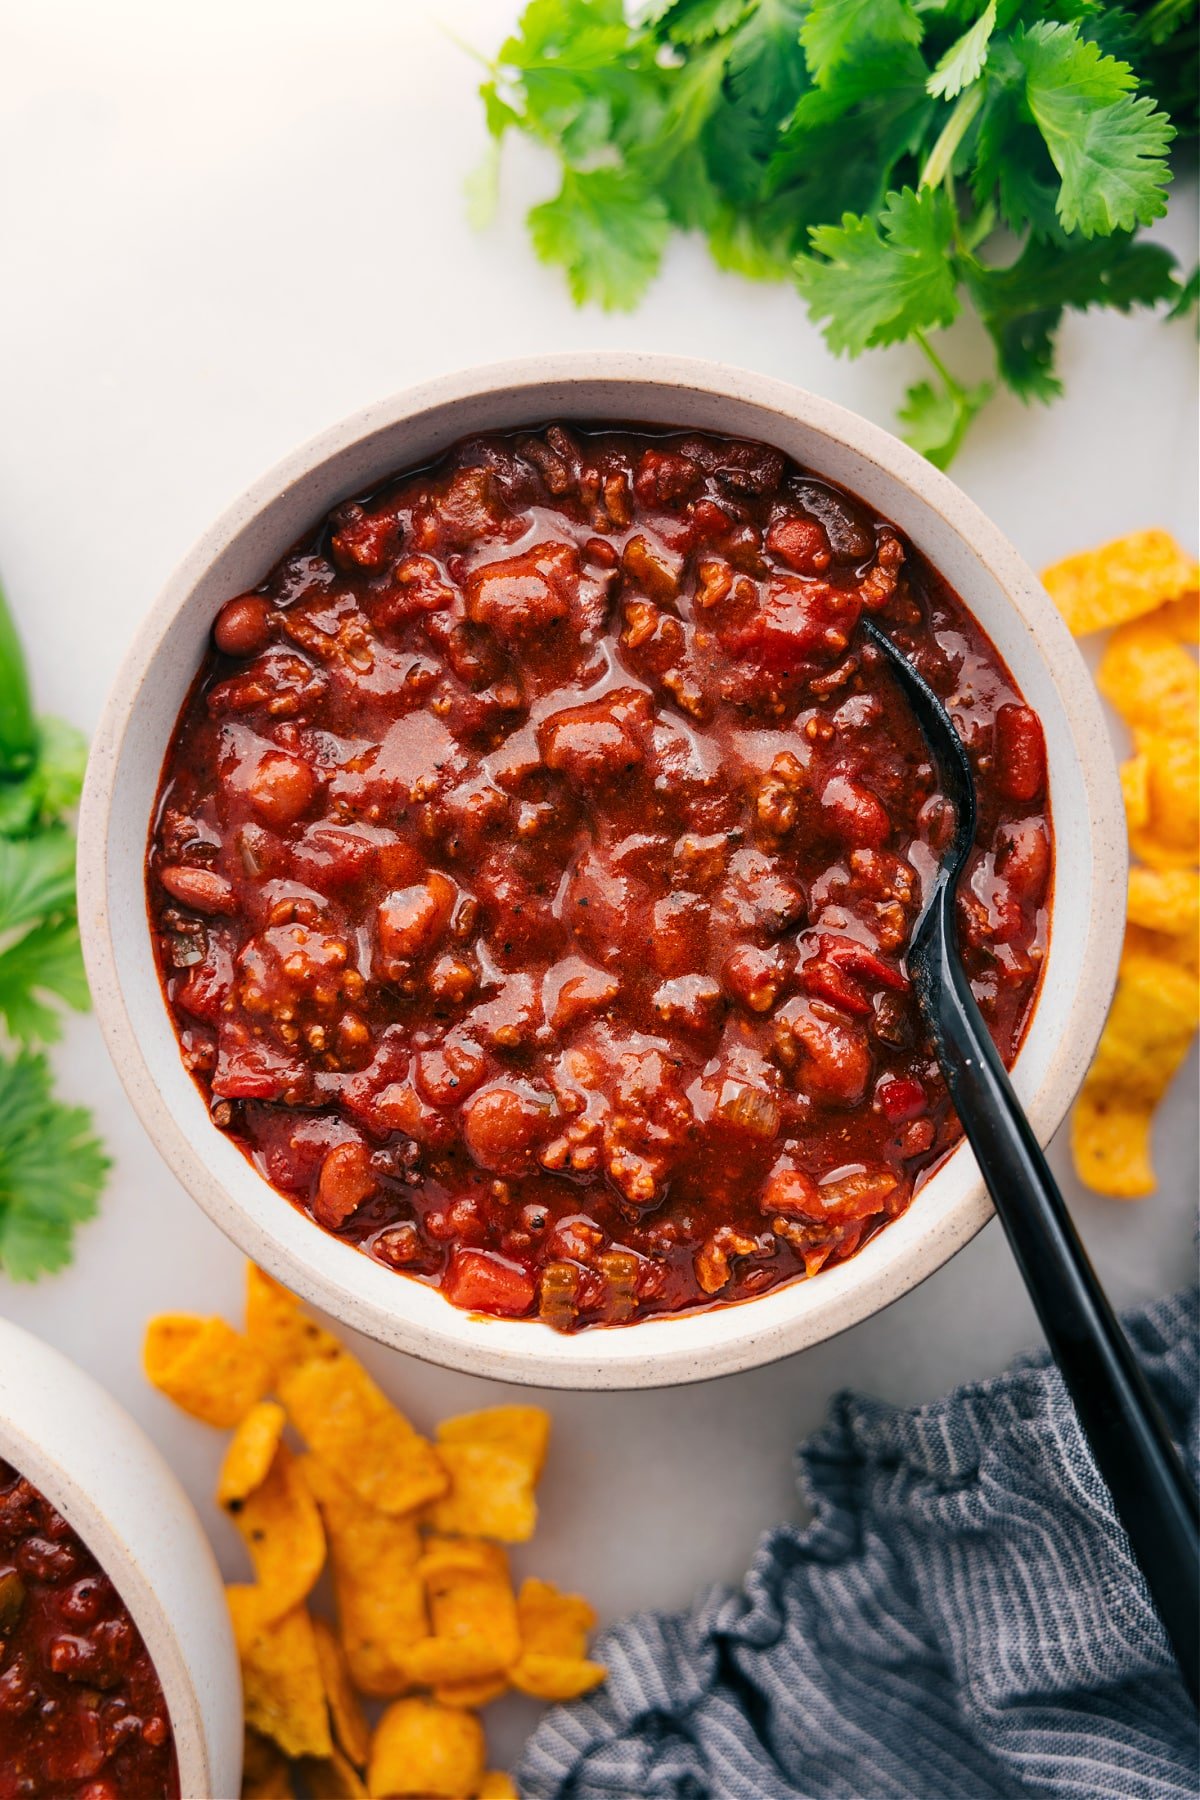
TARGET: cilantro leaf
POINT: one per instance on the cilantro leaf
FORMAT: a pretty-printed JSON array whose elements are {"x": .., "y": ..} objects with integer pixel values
[
  {"x": 46, "y": 960},
  {"x": 584, "y": 81},
  {"x": 1023, "y": 304},
  {"x": 61, "y": 759},
  {"x": 1188, "y": 297},
  {"x": 607, "y": 229},
  {"x": 875, "y": 284},
  {"x": 695, "y": 21},
  {"x": 836, "y": 30},
  {"x": 889, "y": 151},
  {"x": 935, "y": 417},
  {"x": 1109, "y": 147},
  {"x": 764, "y": 74},
  {"x": 52, "y": 1168},
  {"x": 963, "y": 61},
  {"x": 37, "y": 876},
  {"x": 840, "y": 149},
  {"x": 1011, "y": 159}
]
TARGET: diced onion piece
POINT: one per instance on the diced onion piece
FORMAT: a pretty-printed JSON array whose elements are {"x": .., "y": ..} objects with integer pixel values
[
  {"x": 751, "y": 1109},
  {"x": 558, "y": 1294},
  {"x": 620, "y": 1270}
]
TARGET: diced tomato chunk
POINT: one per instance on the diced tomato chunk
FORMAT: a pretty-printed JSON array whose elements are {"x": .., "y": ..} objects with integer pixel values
[
  {"x": 901, "y": 1098},
  {"x": 483, "y": 1282}
]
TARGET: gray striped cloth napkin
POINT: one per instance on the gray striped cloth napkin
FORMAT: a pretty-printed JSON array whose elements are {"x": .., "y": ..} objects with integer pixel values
[{"x": 962, "y": 1620}]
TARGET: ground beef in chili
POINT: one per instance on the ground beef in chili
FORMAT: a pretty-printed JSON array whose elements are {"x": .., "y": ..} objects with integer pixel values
[
  {"x": 82, "y": 1715},
  {"x": 535, "y": 858}
]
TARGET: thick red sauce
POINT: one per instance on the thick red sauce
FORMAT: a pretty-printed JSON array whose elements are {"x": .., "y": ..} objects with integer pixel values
[
  {"x": 535, "y": 859},
  {"x": 82, "y": 1715}
]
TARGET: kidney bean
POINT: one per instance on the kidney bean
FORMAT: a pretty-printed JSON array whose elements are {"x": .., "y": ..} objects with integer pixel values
[
  {"x": 202, "y": 889},
  {"x": 243, "y": 626},
  {"x": 1020, "y": 754}
]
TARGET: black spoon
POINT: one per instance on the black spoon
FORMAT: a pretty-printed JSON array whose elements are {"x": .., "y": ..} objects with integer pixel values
[{"x": 1152, "y": 1492}]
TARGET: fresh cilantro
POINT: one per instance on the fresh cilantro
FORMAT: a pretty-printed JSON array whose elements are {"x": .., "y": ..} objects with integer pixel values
[
  {"x": 52, "y": 1167},
  {"x": 963, "y": 61},
  {"x": 835, "y": 31},
  {"x": 607, "y": 229},
  {"x": 694, "y": 21},
  {"x": 935, "y": 417},
  {"x": 45, "y": 961},
  {"x": 895, "y": 158},
  {"x": 876, "y": 284},
  {"x": 1109, "y": 147}
]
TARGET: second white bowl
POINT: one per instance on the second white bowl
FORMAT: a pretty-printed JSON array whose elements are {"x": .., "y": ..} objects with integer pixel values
[{"x": 69, "y": 1437}]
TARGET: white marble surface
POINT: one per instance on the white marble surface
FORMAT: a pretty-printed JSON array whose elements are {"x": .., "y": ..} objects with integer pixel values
[{"x": 222, "y": 228}]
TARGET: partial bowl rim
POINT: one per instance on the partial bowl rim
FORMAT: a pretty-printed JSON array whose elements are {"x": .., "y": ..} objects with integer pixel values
[
  {"x": 952, "y": 1206},
  {"x": 80, "y": 1448}
]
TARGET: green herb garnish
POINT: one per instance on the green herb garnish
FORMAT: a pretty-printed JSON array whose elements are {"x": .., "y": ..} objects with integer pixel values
[
  {"x": 894, "y": 158},
  {"x": 52, "y": 1165}
]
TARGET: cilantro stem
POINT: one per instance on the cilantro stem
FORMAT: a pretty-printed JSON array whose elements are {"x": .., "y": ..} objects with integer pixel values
[
  {"x": 952, "y": 386},
  {"x": 18, "y": 729},
  {"x": 953, "y": 131}
]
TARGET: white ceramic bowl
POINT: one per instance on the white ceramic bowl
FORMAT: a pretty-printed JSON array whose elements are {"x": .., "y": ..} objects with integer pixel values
[
  {"x": 1088, "y": 900},
  {"x": 75, "y": 1444}
]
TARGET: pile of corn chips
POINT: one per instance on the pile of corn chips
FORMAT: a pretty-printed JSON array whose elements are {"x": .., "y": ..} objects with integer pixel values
[
  {"x": 427, "y": 1618},
  {"x": 1147, "y": 590}
]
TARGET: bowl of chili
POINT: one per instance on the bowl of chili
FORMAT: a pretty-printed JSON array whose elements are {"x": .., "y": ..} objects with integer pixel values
[
  {"x": 118, "y": 1674},
  {"x": 498, "y": 854}
]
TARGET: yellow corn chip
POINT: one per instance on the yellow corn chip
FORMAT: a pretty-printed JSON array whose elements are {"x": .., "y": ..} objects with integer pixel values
[
  {"x": 1119, "y": 581},
  {"x": 265, "y": 1772},
  {"x": 1151, "y": 848},
  {"x": 496, "y": 1785},
  {"x": 1181, "y": 617},
  {"x": 1183, "y": 949},
  {"x": 1174, "y": 790},
  {"x": 1135, "y": 791},
  {"x": 493, "y": 1458},
  {"x": 1110, "y": 1144},
  {"x": 334, "y": 1779},
  {"x": 281, "y": 1679},
  {"x": 556, "y": 1677},
  {"x": 553, "y": 1622},
  {"x": 205, "y": 1367},
  {"x": 279, "y": 1325},
  {"x": 554, "y": 1632},
  {"x": 1166, "y": 900},
  {"x": 426, "y": 1749},
  {"x": 380, "y": 1595},
  {"x": 354, "y": 1428},
  {"x": 447, "y": 1558},
  {"x": 1151, "y": 679},
  {"x": 491, "y": 1492},
  {"x": 525, "y": 1430},
  {"x": 251, "y": 1452},
  {"x": 351, "y": 1732},
  {"x": 472, "y": 1694},
  {"x": 282, "y": 1530},
  {"x": 1150, "y": 1027},
  {"x": 473, "y": 1612}
]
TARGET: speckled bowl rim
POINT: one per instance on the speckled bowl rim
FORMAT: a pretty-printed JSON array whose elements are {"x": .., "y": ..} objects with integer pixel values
[
  {"x": 1087, "y": 907},
  {"x": 72, "y": 1440}
]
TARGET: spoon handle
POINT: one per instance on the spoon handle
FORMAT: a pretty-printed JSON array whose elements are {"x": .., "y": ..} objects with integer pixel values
[{"x": 1154, "y": 1497}]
